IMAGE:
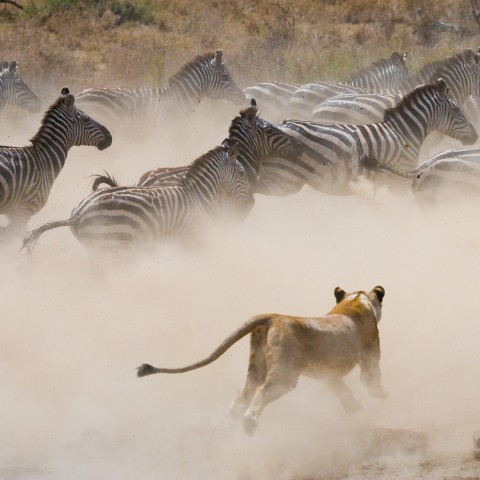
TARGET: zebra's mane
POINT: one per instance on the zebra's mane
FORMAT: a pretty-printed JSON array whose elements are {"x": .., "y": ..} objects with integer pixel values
[
  {"x": 190, "y": 65},
  {"x": 48, "y": 112},
  {"x": 373, "y": 68},
  {"x": 407, "y": 100},
  {"x": 202, "y": 162}
]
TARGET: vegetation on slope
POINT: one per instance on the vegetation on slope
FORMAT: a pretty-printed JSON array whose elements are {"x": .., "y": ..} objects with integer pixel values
[{"x": 129, "y": 42}]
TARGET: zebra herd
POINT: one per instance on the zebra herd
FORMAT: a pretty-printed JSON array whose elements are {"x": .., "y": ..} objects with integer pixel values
[{"x": 382, "y": 114}]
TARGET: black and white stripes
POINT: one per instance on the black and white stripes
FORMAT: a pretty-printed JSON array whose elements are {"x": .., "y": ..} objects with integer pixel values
[
  {"x": 335, "y": 150},
  {"x": 14, "y": 90},
  {"x": 204, "y": 77},
  {"x": 27, "y": 173},
  {"x": 126, "y": 218}
]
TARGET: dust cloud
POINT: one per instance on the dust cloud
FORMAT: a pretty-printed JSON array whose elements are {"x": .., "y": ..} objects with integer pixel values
[{"x": 74, "y": 330}]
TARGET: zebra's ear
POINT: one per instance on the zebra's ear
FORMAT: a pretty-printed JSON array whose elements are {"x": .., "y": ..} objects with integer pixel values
[
  {"x": 13, "y": 66},
  {"x": 217, "y": 60},
  {"x": 469, "y": 57},
  {"x": 396, "y": 59},
  {"x": 339, "y": 294},
  {"x": 226, "y": 144},
  {"x": 251, "y": 114},
  {"x": 69, "y": 101},
  {"x": 442, "y": 89},
  {"x": 233, "y": 152},
  {"x": 65, "y": 91}
]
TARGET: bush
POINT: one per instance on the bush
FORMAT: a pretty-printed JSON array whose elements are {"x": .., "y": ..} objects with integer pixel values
[{"x": 124, "y": 10}]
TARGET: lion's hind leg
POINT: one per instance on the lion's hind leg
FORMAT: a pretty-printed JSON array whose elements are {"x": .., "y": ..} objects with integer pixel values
[
  {"x": 283, "y": 370},
  {"x": 349, "y": 401},
  {"x": 257, "y": 372}
]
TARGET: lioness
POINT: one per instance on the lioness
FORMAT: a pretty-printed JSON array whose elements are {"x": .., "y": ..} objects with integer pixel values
[{"x": 283, "y": 347}]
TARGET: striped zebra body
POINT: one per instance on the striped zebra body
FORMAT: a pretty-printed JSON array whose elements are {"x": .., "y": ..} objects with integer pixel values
[
  {"x": 274, "y": 97},
  {"x": 335, "y": 150},
  {"x": 27, "y": 173},
  {"x": 448, "y": 175},
  {"x": 205, "y": 76},
  {"x": 355, "y": 109},
  {"x": 14, "y": 90},
  {"x": 139, "y": 217},
  {"x": 383, "y": 76},
  {"x": 461, "y": 72},
  {"x": 258, "y": 141}
]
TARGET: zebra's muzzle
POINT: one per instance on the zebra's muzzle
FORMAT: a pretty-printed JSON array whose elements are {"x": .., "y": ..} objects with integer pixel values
[
  {"x": 106, "y": 141},
  {"x": 470, "y": 138}
]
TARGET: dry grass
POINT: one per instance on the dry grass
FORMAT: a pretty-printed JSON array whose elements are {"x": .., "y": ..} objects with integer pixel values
[{"x": 81, "y": 44}]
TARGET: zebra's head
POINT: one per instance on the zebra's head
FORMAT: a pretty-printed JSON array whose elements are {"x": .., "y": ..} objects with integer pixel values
[
  {"x": 449, "y": 118},
  {"x": 219, "y": 83},
  {"x": 260, "y": 140},
  {"x": 235, "y": 198},
  {"x": 82, "y": 129},
  {"x": 15, "y": 91}
]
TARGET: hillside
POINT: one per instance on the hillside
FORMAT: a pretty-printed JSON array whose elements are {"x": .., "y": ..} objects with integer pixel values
[{"x": 130, "y": 42}]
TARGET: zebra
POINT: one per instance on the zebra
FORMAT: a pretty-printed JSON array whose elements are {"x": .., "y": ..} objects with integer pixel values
[
  {"x": 27, "y": 173},
  {"x": 133, "y": 218},
  {"x": 205, "y": 76},
  {"x": 460, "y": 71},
  {"x": 335, "y": 150},
  {"x": 448, "y": 175},
  {"x": 382, "y": 76},
  {"x": 274, "y": 97},
  {"x": 14, "y": 90},
  {"x": 258, "y": 140}
]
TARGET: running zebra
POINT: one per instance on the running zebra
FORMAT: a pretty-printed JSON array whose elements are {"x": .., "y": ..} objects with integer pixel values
[
  {"x": 205, "y": 76},
  {"x": 385, "y": 74},
  {"x": 451, "y": 174},
  {"x": 460, "y": 71},
  {"x": 27, "y": 173},
  {"x": 14, "y": 90},
  {"x": 335, "y": 150},
  {"x": 258, "y": 140},
  {"x": 274, "y": 97},
  {"x": 134, "y": 218}
]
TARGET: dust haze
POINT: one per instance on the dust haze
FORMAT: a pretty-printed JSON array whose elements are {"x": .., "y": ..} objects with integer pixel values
[{"x": 74, "y": 330}]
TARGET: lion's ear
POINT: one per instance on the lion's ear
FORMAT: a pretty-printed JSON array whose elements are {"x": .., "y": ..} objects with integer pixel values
[
  {"x": 339, "y": 294},
  {"x": 379, "y": 292}
]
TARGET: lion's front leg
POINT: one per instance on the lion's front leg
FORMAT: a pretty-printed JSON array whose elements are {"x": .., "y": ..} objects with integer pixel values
[{"x": 370, "y": 374}]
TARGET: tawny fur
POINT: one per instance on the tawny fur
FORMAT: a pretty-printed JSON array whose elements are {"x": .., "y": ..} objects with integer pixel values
[{"x": 283, "y": 347}]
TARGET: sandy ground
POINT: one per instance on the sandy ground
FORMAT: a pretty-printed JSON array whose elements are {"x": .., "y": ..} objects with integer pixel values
[{"x": 74, "y": 330}]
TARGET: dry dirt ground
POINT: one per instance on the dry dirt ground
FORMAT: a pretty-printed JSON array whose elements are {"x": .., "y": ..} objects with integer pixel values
[{"x": 74, "y": 330}]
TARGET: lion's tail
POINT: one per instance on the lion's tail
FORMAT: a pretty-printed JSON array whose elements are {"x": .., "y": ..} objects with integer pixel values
[{"x": 244, "y": 330}]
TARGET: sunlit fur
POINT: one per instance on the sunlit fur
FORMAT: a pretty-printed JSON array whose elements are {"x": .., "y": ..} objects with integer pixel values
[{"x": 283, "y": 347}]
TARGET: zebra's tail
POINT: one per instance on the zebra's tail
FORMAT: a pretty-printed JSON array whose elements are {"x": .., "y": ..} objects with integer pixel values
[
  {"x": 31, "y": 237},
  {"x": 106, "y": 179},
  {"x": 372, "y": 164},
  {"x": 244, "y": 330}
]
